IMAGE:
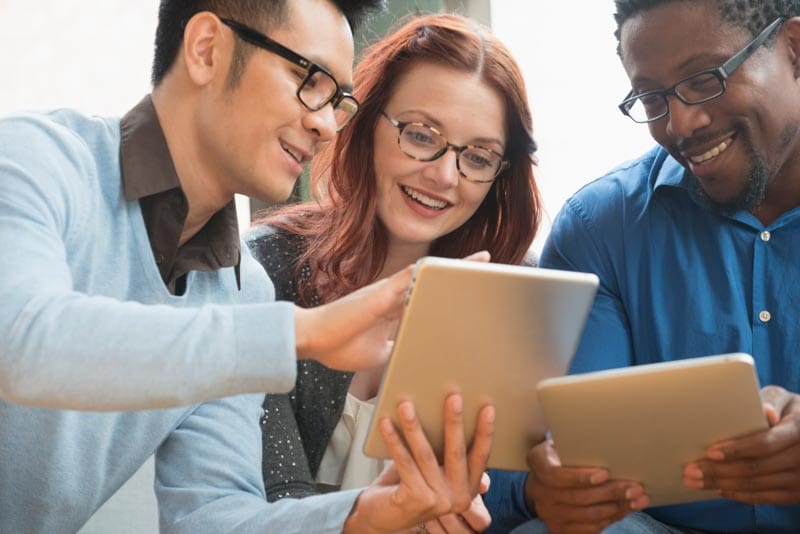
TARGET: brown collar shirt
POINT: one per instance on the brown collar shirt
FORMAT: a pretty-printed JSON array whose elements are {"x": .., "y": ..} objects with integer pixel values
[{"x": 149, "y": 176}]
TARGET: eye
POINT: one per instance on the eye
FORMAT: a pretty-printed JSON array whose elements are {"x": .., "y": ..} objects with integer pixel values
[
  {"x": 420, "y": 135},
  {"x": 478, "y": 158}
]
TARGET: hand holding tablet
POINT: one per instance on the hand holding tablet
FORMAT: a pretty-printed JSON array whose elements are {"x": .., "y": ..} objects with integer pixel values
[{"x": 489, "y": 332}]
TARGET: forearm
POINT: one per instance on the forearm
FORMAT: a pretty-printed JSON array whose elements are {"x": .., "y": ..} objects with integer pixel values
[{"x": 74, "y": 351}]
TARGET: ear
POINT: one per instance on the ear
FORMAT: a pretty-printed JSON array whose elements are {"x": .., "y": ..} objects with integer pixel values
[
  {"x": 791, "y": 30},
  {"x": 207, "y": 48}
]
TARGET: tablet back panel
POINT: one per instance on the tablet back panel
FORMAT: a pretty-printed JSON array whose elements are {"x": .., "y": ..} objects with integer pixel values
[
  {"x": 488, "y": 331},
  {"x": 646, "y": 422}
]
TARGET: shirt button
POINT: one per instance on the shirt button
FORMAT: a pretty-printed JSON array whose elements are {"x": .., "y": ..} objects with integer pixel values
[
  {"x": 159, "y": 259},
  {"x": 765, "y": 236},
  {"x": 765, "y": 316}
]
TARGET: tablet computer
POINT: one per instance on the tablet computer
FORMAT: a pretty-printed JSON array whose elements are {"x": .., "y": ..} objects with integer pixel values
[
  {"x": 490, "y": 332},
  {"x": 645, "y": 422}
]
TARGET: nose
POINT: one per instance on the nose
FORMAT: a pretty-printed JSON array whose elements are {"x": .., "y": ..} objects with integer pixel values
[
  {"x": 443, "y": 170},
  {"x": 321, "y": 122},
  {"x": 684, "y": 119}
]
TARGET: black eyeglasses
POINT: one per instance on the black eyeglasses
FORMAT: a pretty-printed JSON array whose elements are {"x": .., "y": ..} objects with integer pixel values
[
  {"x": 425, "y": 143},
  {"x": 319, "y": 88},
  {"x": 695, "y": 89}
]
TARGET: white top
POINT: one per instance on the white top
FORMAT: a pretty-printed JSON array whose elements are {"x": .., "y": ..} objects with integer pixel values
[{"x": 344, "y": 464}]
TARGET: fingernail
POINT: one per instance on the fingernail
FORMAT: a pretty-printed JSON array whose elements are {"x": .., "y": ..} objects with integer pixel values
[
  {"x": 639, "y": 504},
  {"x": 715, "y": 454},
  {"x": 632, "y": 493},
  {"x": 598, "y": 478},
  {"x": 457, "y": 404},
  {"x": 490, "y": 413},
  {"x": 693, "y": 472},
  {"x": 406, "y": 411}
]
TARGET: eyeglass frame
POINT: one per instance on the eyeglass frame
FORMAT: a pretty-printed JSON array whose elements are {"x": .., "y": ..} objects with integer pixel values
[
  {"x": 256, "y": 38},
  {"x": 721, "y": 73},
  {"x": 458, "y": 149}
]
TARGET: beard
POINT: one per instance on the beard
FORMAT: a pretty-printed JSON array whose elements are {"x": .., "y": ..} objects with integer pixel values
[{"x": 749, "y": 197}]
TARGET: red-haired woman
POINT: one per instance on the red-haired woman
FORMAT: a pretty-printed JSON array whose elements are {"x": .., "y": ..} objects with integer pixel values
[{"x": 438, "y": 161}]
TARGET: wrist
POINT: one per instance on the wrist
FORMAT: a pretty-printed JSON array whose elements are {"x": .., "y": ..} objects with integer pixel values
[
  {"x": 356, "y": 522},
  {"x": 301, "y": 340}
]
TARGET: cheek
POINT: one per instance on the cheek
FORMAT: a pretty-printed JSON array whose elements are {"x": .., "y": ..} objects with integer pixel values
[{"x": 473, "y": 197}]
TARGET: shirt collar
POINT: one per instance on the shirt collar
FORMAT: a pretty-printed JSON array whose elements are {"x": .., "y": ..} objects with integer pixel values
[{"x": 148, "y": 170}]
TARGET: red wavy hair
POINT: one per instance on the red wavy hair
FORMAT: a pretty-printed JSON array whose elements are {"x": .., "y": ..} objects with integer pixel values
[{"x": 346, "y": 243}]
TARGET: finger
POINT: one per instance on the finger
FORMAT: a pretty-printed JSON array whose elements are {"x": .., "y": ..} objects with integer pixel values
[
  {"x": 485, "y": 483},
  {"x": 403, "y": 462},
  {"x": 482, "y": 256},
  {"x": 453, "y": 524},
  {"x": 762, "y": 482},
  {"x": 621, "y": 493},
  {"x": 481, "y": 446},
  {"x": 704, "y": 471},
  {"x": 476, "y": 517},
  {"x": 434, "y": 526},
  {"x": 546, "y": 468},
  {"x": 772, "y": 414},
  {"x": 455, "y": 454},
  {"x": 781, "y": 436},
  {"x": 422, "y": 453}
]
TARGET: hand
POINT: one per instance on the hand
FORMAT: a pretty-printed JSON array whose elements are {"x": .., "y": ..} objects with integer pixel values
[
  {"x": 355, "y": 331},
  {"x": 481, "y": 256},
  {"x": 577, "y": 499},
  {"x": 476, "y": 518},
  {"x": 415, "y": 488},
  {"x": 763, "y": 468}
]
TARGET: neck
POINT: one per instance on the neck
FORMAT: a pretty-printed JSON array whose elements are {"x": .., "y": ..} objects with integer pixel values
[
  {"x": 365, "y": 384},
  {"x": 400, "y": 255},
  {"x": 198, "y": 176}
]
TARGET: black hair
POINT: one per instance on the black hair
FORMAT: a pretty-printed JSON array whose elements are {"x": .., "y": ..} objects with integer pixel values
[
  {"x": 174, "y": 14},
  {"x": 751, "y": 15}
]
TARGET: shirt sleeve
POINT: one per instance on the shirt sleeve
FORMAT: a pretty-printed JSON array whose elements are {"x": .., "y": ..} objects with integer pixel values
[
  {"x": 505, "y": 501},
  {"x": 208, "y": 479},
  {"x": 585, "y": 240},
  {"x": 62, "y": 347}
]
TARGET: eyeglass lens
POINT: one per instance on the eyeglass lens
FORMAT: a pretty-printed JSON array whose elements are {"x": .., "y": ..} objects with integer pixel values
[
  {"x": 424, "y": 143},
  {"x": 318, "y": 89},
  {"x": 693, "y": 90}
]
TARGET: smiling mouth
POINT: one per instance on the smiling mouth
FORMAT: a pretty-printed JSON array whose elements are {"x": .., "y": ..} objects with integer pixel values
[
  {"x": 425, "y": 200},
  {"x": 297, "y": 156},
  {"x": 712, "y": 153}
]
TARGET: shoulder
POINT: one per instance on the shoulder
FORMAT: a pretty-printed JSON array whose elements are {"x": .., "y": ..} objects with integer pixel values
[
  {"x": 278, "y": 252},
  {"x": 618, "y": 196},
  {"x": 272, "y": 245}
]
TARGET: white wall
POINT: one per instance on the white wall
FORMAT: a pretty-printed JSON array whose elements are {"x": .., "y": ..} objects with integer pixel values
[{"x": 567, "y": 53}]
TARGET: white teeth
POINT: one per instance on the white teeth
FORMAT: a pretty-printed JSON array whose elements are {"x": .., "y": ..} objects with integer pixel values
[
  {"x": 713, "y": 153},
  {"x": 297, "y": 157},
  {"x": 425, "y": 200}
]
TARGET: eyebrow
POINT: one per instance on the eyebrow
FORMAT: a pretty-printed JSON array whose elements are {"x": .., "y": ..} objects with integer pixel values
[{"x": 346, "y": 87}]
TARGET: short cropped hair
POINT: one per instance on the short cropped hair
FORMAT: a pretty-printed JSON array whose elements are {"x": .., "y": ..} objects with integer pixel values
[
  {"x": 751, "y": 15},
  {"x": 174, "y": 14}
]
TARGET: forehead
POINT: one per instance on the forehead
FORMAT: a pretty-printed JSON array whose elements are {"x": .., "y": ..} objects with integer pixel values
[
  {"x": 318, "y": 31},
  {"x": 675, "y": 39},
  {"x": 456, "y": 101}
]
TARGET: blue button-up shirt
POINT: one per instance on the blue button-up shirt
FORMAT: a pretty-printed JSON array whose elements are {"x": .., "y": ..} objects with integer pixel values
[{"x": 680, "y": 281}]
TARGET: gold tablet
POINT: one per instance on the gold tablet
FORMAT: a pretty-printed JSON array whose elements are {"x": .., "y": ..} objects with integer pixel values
[
  {"x": 490, "y": 332},
  {"x": 644, "y": 423}
]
